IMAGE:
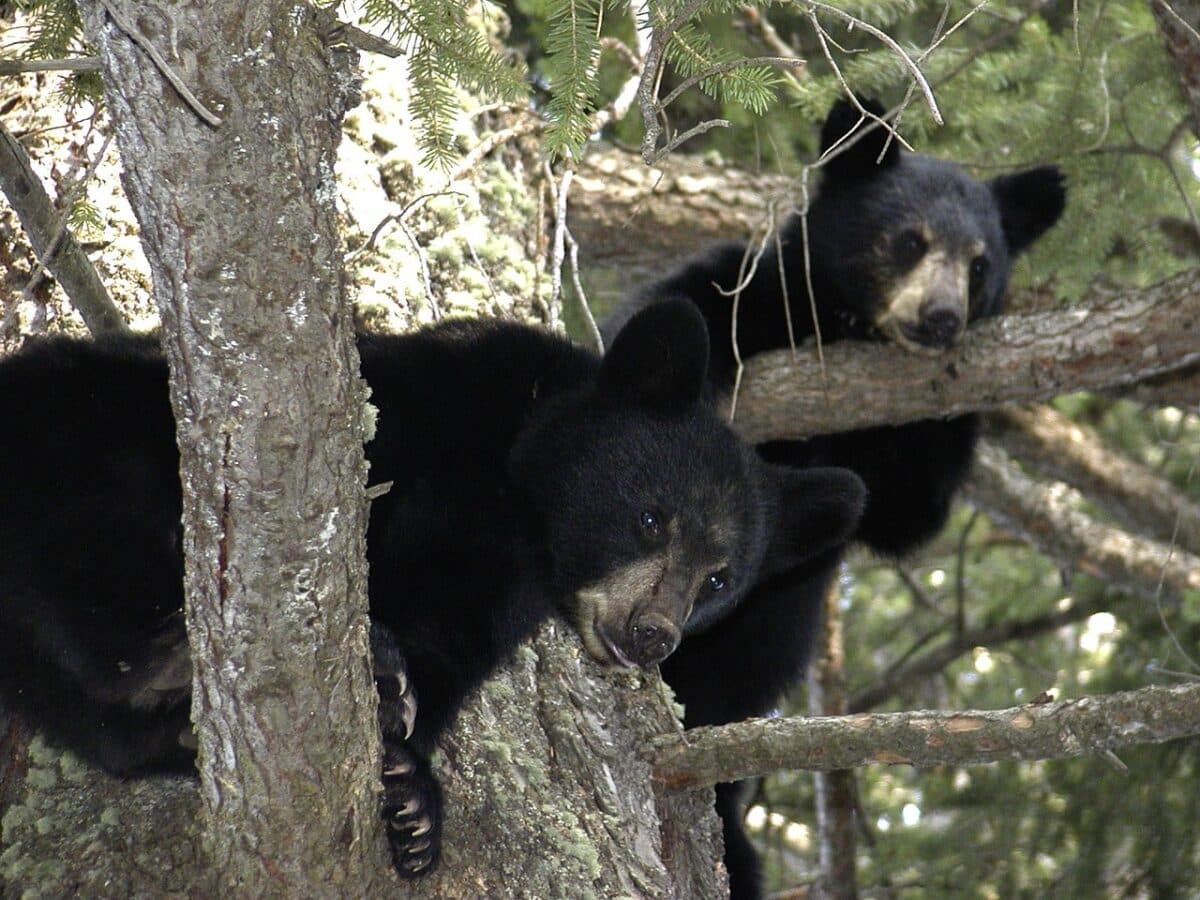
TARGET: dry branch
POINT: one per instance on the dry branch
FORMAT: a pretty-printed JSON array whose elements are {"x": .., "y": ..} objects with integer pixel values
[
  {"x": 63, "y": 258},
  {"x": 934, "y": 661},
  {"x": 1109, "y": 340},
  {"x": 1133, "y": 494},
  {"x": 926, "y": 739},
  {"x": 1048, "y": 516}
]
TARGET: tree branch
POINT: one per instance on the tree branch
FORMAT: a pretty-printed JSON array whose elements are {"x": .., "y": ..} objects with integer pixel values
[
  {"x": 1133, "y": 494},
  {"x": 63, "y": 258},
  {"x": 1108, "y": 340},
  {"x": 1047, "y": 516},
  {"x": 926, "y": 739},
  {"x": 896, "y": 680}
]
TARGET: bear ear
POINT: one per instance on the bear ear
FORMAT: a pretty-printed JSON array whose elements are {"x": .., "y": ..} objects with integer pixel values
[
  {"x": 1030, "y": 202},
  {"x": 869, "y": 154},
  {"x": 818, "y": 510},
  {"x": 659, "y": 359}
]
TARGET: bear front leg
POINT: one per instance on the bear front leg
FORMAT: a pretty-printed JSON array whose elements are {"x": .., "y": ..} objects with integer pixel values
[{"x": 411, "y": 804}]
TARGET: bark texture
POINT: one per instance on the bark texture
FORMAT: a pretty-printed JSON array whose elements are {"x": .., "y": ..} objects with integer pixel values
[
  {"x": 239, "y": 225},
  {"x": 548, "y": 796},
  {"x": 1107, "y": 341},
  {"x": 926, "y": 738}
]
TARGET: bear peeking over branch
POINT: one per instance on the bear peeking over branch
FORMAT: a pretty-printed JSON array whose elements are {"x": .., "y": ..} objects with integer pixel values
[
  {"x": 902, "y": 247},
  {"x": 530, "y": 478}
]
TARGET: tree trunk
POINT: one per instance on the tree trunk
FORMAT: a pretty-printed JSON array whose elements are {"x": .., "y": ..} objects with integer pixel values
[
  {"x": 546, "y": 793},
  {"x": 834, "y": 790},
  {"x": 239, "y": 224}
]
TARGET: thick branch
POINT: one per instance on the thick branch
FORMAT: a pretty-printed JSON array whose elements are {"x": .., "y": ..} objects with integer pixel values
[
  {"x": 925, "y": 739},
  {"x": 941, "y": 656},
  {"x": 1133, "y": 494},
  {"x": 1108, "y": 340},
  {"x": 63, "y": 258},
  {"x": 1048, "y": 517}
]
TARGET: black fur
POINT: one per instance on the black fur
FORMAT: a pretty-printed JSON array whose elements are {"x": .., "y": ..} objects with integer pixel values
[
  {"x": 869, "y": 228},
  {"x": 522, "y": 470}
]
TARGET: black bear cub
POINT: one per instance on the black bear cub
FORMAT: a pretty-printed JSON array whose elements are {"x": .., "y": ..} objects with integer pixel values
[
  {"x": 904, "y": 248},
  {"x": 529, "y": 477}
]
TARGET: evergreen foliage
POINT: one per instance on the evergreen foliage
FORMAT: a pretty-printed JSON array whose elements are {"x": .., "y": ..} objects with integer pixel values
[{"x": 446, "y": 50}]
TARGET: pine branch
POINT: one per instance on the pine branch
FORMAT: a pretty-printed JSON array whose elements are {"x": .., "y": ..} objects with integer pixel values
[
  {"x": 1106, "y": 341},
  {"x": 924, "y": 739}
]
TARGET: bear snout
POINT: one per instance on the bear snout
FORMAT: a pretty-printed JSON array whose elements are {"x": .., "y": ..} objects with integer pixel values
[
  {"x": 939, "y": 326},
  {"x": 651, "y": 638}
]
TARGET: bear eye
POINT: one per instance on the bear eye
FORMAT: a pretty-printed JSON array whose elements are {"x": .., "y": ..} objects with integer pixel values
[
  {"x": 718, "y": 580},
  {"x": 649, "y": 524},
  {"x": 979, "y": 268},
  {"x": 909, "y": 247}
]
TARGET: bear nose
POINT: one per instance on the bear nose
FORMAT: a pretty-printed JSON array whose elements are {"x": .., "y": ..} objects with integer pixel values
[
  {"x": 652, "y": 638},
  {"x": 939, "y": 327}
]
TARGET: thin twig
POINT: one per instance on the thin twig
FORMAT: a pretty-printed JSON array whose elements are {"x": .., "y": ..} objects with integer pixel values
[
  {"x": 584, "y": 305},
  {"x": 491, "y": 142},
  {"x": 890, "y": 42},
  {"x": 558, "y": 249},
  {"x": 362, "y": 40},
  {"x": 60, "y": 229},
  {"x": 647, "y": 92},
  {"x": 23, "y": 66},
  {"x": 135, "y": 35}
]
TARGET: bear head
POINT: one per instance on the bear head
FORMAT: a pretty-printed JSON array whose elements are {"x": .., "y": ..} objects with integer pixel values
[
  {"x": 913, "y": 247},
  {"x": 657, "y": 518}
]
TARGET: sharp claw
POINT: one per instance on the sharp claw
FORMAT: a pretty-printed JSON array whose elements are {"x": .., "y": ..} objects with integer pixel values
[
  {"x": 404, "y": 767},
  {"x": 409, "y": 714},
  {"x": 402, "y": 681},
  {"x": 422, "y": 828}
]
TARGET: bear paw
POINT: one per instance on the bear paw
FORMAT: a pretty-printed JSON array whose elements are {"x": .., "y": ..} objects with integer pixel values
[
  {"x": 412, "y": 809},
  {"x": 397, "y": 697}
]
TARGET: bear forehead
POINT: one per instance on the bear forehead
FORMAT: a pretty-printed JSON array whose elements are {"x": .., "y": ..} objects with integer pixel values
[{"x": 938, "y": 193}]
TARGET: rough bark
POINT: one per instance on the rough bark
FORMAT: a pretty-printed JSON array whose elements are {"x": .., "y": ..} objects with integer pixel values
[
  {"x": 926, "y": 738},
  {"x": 629, "y": 218},
  {"x": 1048, "y": 516},
  {"x": 239, "y": 225},
  {"x": 518, "y": 813},
  {"x": 1107, "y": 341},
  {"x": 833, "y": 790},
  {"x": 55, "y": 246},
  {"x": 1138, "y": 498},
  {"x": 549, "y": 797}
]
